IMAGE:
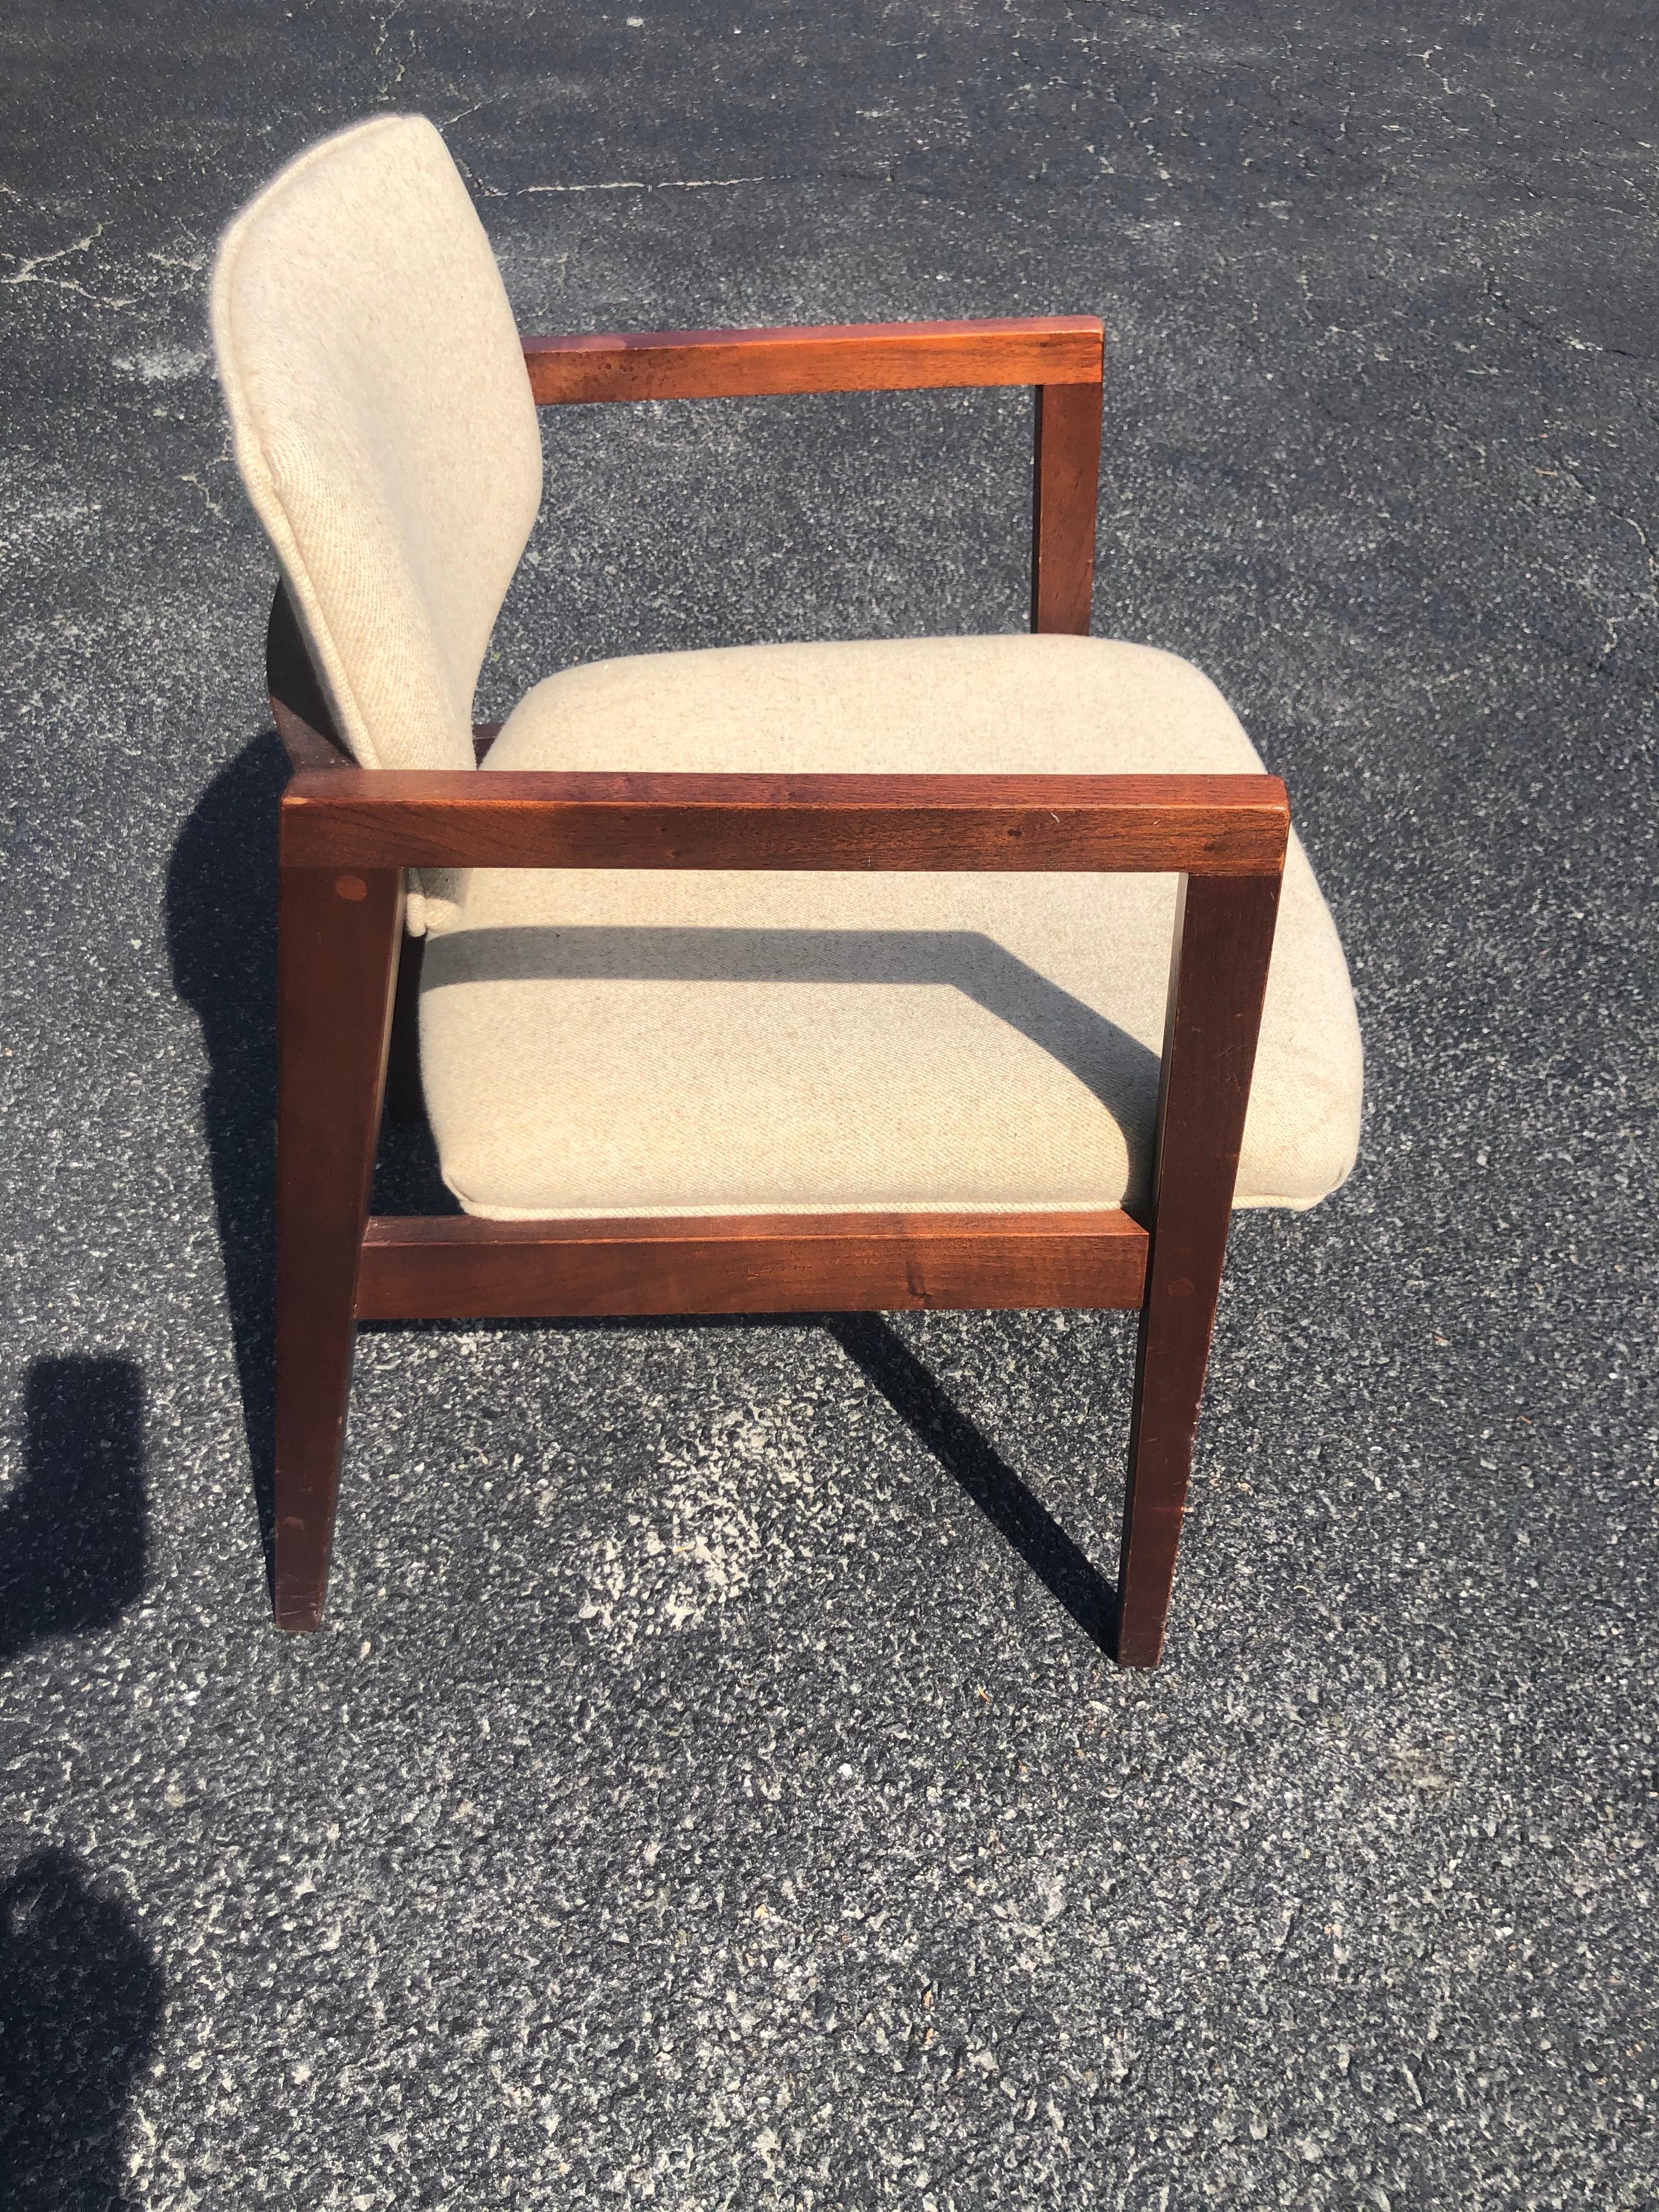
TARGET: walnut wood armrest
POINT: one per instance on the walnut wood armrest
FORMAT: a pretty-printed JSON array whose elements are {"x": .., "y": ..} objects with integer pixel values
[
  {"x": 1061, "y": 355},
  {"x": 1042, "y": 349},
  {"x": 1206, "y": 825}
]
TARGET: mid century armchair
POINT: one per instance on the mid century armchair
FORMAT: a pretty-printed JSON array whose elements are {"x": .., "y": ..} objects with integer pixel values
[{"x": 927, "y": 972}]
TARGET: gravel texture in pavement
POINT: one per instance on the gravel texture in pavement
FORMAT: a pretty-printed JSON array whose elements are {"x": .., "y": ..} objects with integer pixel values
[{"x": 709, "y": 1787}]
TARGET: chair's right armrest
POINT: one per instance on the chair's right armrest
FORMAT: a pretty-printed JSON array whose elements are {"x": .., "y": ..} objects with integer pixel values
[{"x": 1209, "y": 825}]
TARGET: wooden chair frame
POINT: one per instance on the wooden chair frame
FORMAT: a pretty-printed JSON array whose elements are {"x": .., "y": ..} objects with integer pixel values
[{"x": 347, "y": 834}]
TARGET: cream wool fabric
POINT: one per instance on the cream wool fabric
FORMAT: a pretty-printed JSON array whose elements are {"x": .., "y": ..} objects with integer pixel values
[
  {"x": 636, "y": 1042},
  {"x": 384, "y": 427},
  {"x": 600, "y": 1042}
]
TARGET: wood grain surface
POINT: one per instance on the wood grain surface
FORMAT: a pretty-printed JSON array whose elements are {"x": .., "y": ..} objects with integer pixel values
[
  {"x": 458, "y": 1268},
  {"x": 1065, "y": 484},
  {"x": 467, "y": 818},
  {"x": 1224, "y": 940},
  {"x": 1048, "y": 349},
  {"x": 337, "y": 940}
]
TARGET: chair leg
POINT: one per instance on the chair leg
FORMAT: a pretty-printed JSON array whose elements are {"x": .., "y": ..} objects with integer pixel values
[
  {"x": 1170, "y": 1358},
  {"x": 1224, "y": 940},
  {"x": 337, "y": 964}
]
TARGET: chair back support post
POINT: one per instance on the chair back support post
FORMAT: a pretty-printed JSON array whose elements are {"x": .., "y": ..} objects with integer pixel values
[
  {"x": 1064, "y": 493},
  {"x": 298, "y": 705},
  {"x": 1224, "y": 937}
]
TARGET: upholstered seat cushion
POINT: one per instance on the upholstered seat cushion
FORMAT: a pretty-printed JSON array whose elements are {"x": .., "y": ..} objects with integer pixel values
[{"x": 607, "y": 1042}]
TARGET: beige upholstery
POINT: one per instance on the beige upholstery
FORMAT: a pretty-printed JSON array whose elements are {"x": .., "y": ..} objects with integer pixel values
[
  {"x": 597, "y": 1042},
  {"x": 384, "y": 428}
]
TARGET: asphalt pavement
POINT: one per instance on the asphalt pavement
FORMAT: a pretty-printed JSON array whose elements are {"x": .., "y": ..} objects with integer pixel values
[{"x": 709, "y": 1787}]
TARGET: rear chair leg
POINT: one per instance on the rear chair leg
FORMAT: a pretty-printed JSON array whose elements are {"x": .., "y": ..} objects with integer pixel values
[
  {"x": 338, "y": 957},
  {"x": 1223, "y": 938}
]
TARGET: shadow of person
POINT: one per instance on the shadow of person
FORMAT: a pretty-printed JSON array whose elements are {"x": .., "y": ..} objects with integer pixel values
[
  {"x": 73, "y": 1531},
  {"x": 221, "y": 938},
  {"x": 975, "y": 1464},
  {"x": 80, "y": 1999}
]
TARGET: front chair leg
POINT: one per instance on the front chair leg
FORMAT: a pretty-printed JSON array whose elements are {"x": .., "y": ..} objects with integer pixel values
[
  {"x": 337, "y": 952},
  {"x": 1223, "y": 938}
]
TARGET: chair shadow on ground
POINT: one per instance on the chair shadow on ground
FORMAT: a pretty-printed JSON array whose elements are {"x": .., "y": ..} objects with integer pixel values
[
  {"x": 80, "y": 2002},
  {"x": 74, "y": 1529},
  {"x": 221, "y": 938},
  {"x": 975, "y": 1464}
]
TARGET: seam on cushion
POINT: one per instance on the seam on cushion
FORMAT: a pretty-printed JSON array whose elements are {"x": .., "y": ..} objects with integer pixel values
[
  {"x": 289, "y": 554},
  {"x": 557, "y": 709},
  {"x": 478, "y": 1212},
  {"x": 802, "y": 1207}
]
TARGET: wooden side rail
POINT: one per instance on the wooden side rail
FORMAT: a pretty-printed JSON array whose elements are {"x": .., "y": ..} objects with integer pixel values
[
  {"x": 455, "y": 1267},
  {"x": 1040, "y": 349},
  {"x": 1212, "y": 825}
]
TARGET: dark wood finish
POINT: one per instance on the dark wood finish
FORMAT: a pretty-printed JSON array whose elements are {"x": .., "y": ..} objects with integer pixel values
[
  {"x": 455, "y": 1267},
  {"x": 1050, "y": 349},
  {"x": 1062, "y": 355},
  {"x": 338, "y": 948},
  {"x": 383, "y": 818},
  {"x": 346, "y": 835},
  {"x": 298, "y": 706},
  {"x": 1224, "y": 939},
  {"x": 1066, "y": 491}
]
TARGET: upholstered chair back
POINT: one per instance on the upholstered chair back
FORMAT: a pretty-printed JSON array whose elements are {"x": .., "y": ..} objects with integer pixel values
[{"x": 384, "y": 427}]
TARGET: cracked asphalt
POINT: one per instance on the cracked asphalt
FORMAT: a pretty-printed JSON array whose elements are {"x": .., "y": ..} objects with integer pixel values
[{"x": 709, "y": 1788}]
